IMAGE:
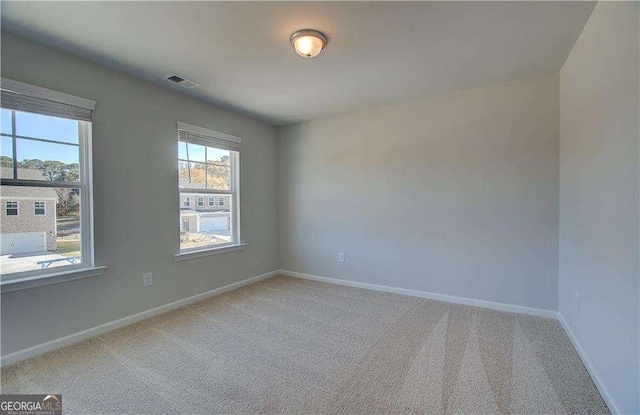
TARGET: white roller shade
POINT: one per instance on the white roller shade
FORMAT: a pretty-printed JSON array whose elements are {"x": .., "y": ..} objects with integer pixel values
[{"x": 198, "y": 135}]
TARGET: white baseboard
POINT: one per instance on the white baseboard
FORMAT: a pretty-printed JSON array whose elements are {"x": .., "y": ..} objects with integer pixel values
[
  {"x": 39, "y": 349},
  {"x": 593, "y": 372},
  {"x": 42, "y": 348},
  {"x": 433, "y": 296}
]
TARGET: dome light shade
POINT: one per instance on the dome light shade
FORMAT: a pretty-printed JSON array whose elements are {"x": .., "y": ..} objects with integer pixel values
[{"x": 308, "y": 43}]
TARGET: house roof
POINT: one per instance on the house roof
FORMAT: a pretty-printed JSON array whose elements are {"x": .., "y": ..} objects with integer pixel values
[
  {"x": 8, "y": 192},
  {"x": 186, "y": 184}
]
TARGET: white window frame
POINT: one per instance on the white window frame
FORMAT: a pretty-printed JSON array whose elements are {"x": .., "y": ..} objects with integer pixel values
[
  {"x": 6, "y": 207},
  {"x": 87, "y": 268},
  {"x": 35, "y": 208},
  {"x": 186, "y": 201},
  {"x": 212, "y": 201},
  {"x": 221, "y": 201},
  {"x": 200, "y": 201},
  {"x": 236, "y": 241}
]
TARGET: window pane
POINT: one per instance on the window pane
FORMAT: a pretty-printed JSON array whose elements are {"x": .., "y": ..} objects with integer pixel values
[
  {"x": 204, "y": 227},
  {"x": 191, "y": 152},
  {"x": 5, "y": 122},
  {"x": 191, "y": 175},
  {"x": 218, "y": 156},
  {"x": 11, "y": 208},
  {"x": 47, "y": 161},
  {"x": 33, "y": 241},
  {"x": 43, "y": 126},
  {"x": 219, "y": 177},
  {"x": 39, "y": 208},
  {"x": 6, "y": 157}
]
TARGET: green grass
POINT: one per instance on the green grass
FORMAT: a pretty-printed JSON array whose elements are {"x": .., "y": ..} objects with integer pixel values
[{"x": 68, "y": 248}]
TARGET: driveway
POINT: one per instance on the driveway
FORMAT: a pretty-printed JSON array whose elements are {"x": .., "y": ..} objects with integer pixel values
[
  {"x": 68, "y": 226},
  {"x": 29, "y": 261},
  {"x": 223, "y": 234}
]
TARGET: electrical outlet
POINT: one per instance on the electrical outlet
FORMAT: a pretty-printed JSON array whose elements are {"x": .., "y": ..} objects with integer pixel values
[
  {"x": 340, "y": 256},
  {"x": 577, "y": 301},
  {"x": 147, "y": 279}
]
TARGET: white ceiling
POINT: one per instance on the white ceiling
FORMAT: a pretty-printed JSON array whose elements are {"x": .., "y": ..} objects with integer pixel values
[{"x": 378, "y": 53}]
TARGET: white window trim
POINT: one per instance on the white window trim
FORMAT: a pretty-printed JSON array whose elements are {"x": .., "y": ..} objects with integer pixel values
[
  {"x": 186, "y": 201},
  {"x": 86, "y": 219},
  {"x": 198, "y": 200},
  {"x": 212, "y": 201},
  {"x": 234, "y": 193},
  {"x": 51, "y": 278},
  {"x": 216, "y": 249},
  {"x": 37, "y": 278},
  {"x": 44, "y": 208},
  {"x": 6, "y": 207}
]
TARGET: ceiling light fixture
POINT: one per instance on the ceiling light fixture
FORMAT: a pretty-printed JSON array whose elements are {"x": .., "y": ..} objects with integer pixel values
[{"x": 308, "y": 43}]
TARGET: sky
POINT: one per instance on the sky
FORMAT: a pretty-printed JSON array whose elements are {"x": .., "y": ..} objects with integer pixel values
[
  {"x": 197, "y": 153},
  {"x": 64, "y": 130},
  {"x": 40, "y": 126}
]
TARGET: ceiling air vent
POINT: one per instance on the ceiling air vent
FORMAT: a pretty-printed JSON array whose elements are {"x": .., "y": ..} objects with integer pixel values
[{"x": 185, "y": 83}]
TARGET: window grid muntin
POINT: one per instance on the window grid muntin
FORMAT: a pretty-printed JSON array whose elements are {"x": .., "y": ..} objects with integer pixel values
[
  {"x": 233, "y": 166},
  {"x": 44, "y": 140},
  {"x": 206, "y": 164},
  {"x": 39, "y": 208},
  {"x": 83, "y": 186},
  {"x": 11, "y": 206},
  {"x": 14, "y": 141}
]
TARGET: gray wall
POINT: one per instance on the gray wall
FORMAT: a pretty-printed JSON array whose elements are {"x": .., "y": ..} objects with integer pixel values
[
  {"x": 136, "y": 199},
  {"x": 599, "y": 187},
  {"x": 456, "y": 194}
]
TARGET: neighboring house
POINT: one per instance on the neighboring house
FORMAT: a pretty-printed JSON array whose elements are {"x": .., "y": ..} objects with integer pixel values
[
  {"x": 201, "y": 212},
  {"x": 28, "y": 219}
]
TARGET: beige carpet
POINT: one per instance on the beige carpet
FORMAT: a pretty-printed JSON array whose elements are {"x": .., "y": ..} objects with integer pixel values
[{"x": 287, "y": 345}]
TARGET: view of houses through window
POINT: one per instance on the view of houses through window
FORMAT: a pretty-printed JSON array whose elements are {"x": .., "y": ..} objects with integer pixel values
[
  {"x": 40, "y": 224},
  {"x": 205, "y": 184}
]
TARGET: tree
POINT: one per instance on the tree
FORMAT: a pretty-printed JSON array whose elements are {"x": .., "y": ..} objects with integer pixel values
[
  {"x": 68, "y": 201},
  {"x": 53, "y": 170},
  {"x": 218, "y": 175}
]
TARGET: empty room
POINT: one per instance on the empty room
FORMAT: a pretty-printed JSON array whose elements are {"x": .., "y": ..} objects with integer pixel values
[{"x": 367, "y": 207}]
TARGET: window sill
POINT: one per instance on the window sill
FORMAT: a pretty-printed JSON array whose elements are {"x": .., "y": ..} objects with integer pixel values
[
  {"x": 206, "y": 252},
  {"x": 52, "y": 278}
]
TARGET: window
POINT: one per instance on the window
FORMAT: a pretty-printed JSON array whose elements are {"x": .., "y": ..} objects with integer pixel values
[
  {"x": 208, "y": 163},
  {"x": 186, "y": 202},
  {"x": 39, "y": 208},
  {"x": 12, "y": 208},
  {"x": 221, "y": 201},
  {"x": 45, "y": 163}
]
